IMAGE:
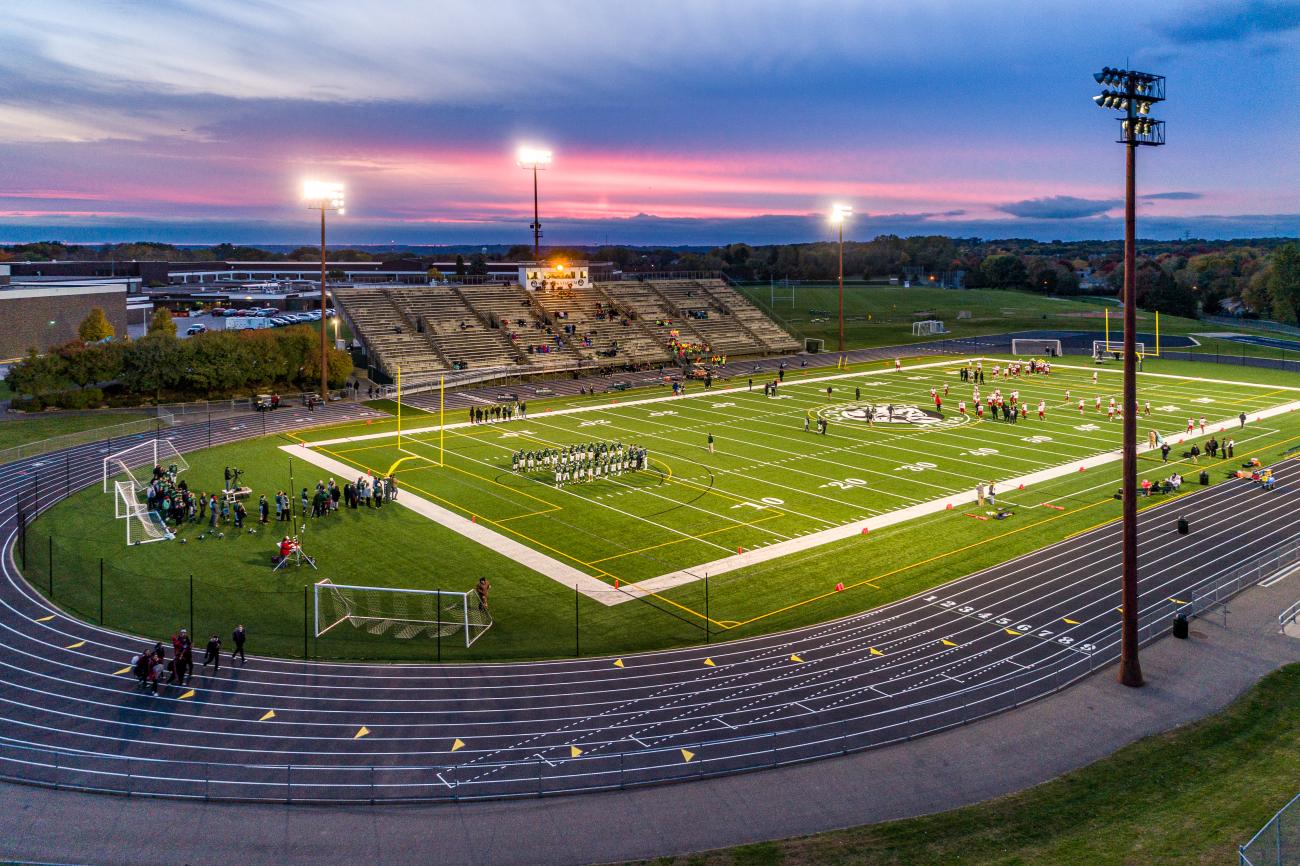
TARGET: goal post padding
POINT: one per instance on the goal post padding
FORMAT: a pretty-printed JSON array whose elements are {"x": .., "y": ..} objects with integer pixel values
[
  {"x": 137, "y": 462},
  {"x": 398, "y": 613},
  {"x": 1049, "y": 348}
]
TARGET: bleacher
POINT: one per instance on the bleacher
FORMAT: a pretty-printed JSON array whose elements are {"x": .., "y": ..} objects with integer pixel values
[
  {"x": 696, "y": 306},
  {"x": 461, "y": 336},
  {"x": 512, "y": 311},
  {"x": 430, "y": 329},
  {"x": 390, "y": 337},
  {"x": 599, "y": 331},
  {"x": 769, "y": 333}
]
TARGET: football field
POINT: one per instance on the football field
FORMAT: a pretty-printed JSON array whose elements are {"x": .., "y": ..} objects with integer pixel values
[{"x": 773, "y": 481}]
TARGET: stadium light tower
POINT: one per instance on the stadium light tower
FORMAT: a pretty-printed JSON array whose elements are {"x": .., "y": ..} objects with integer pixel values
[
  {"x": 1133, "y": 93},
  {"x": 323, "y": 196},
  {"x": 535, "y": 159},
  {"x": 839, "y": 213}
]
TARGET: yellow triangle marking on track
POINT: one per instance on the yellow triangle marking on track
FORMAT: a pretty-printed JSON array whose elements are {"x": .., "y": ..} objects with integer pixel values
[
  {"x": 270, "y": 714},
  {"x": 76, "y": 645},
  {"x": 947, "y": 642},
  {"x": 187, "y": 695},
  {"x": 458, "y": 745},
  {"x": 1120, "y": 609},
  {"x": 876, "y": 652},
  {"x": 46, "y": 618},
  {"x": 574, "y": 751},
  {"x": 362, "y": 731},
  {"x": 687, "y": 755},
  {"x": 1177, "y": 601},
  {"x": 708, "y": 663},
  {"x": 618, "y": 663},
  {"x": 120, "y": 671},
  {"x": 795, "y": 658},
  {"x": 1068, "y": 621},
  {"x": 1013, "y": 632}
]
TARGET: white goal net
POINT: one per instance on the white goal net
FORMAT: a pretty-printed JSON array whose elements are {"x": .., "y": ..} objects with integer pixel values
[
  {"x": 142, "y": 525},
  {"x": 400, "y": 613},
  {"x": 928, "y": 328},
  {"x": 1036, "y": 348},
  {"x": 1113, "y": 350},
  {"x": 136, "y": 464}
]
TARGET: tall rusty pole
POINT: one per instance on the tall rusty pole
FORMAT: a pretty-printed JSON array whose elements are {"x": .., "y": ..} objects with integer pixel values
[{"x": 1133, "y": 93}]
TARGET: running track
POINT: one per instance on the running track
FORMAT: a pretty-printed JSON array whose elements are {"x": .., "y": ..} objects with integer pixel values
[{"x": 977, "y": 646}]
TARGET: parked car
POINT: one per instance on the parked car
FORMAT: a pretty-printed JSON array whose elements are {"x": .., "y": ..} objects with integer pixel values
[
  {"x": 196, "y": 329},
  {"x": 280, "y": 321}
]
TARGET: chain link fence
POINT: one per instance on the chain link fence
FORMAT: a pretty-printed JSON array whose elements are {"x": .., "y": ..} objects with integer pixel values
[{"x": 1278, "y": 842}]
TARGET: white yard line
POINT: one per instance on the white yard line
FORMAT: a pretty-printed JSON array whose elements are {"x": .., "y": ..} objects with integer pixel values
[
  {"x": 489, "y": 538},
  {"x": 600, "y": 591}
]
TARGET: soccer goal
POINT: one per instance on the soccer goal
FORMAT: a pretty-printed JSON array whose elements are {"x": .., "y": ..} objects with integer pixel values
[
  {"x": 400, "y": 613},
  {"x": 142, "y": 525},
  {"x": 137, "y": 462},
  {"x": 1113, "y": 349},
  {"x": 928, "y": 328},
  {"x": 1034, "y": 348}
]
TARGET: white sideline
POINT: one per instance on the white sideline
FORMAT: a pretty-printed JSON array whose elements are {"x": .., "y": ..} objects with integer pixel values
[
  {"x": 589, "y": 586},
  {"x": 933, "y": 506},
  {"x": 600, "y": 591}
]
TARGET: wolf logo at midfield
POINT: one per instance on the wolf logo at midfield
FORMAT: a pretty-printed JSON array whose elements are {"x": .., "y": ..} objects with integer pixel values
[{"x": 886, "y": 414}]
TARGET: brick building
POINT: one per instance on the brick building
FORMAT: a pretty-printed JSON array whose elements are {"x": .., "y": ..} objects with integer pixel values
[{"x": 38, "y": 314}]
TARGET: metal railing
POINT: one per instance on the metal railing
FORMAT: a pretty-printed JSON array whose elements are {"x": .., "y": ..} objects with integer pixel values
[
  {"x": 109, "y": 433},
  {"x": 1278, "y": 842}
]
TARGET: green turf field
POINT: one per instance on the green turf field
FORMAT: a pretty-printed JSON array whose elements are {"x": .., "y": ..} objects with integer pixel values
[{"x": 767, "y": 483}]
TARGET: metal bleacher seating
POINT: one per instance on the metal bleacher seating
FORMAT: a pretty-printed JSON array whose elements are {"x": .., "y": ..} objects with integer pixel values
[{"x": 430, "y": 329}]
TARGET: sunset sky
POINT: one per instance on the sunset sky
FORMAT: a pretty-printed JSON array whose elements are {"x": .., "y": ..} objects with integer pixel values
[{"x": 672, "y": 122}]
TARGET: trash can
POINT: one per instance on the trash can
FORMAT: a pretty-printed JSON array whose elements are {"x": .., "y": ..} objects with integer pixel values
[
  {"x": 1205, "y": 477},
  {"x": 1180, "y": 626},
  {"x": 1183, "y": 526}
]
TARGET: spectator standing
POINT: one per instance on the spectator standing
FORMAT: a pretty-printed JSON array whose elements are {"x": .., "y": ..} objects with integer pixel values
[
  {"x": 238, "y": 636},
  {"x": 263, "y": 509},
  {"x": 212, "y": 653}
]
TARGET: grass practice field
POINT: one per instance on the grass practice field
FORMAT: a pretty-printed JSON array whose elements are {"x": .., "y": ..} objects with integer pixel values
[
  {"x": 882, "y": 315},
  {"x": 768, "y": 485}
]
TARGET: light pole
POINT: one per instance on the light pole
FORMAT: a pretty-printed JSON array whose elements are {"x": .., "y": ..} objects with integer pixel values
[
  {"x": 323, "y": 196},
  {"x": 839, "y": 213},
  {"x": 535, "y": 159},
  {"x": 1133, "y": 93}
]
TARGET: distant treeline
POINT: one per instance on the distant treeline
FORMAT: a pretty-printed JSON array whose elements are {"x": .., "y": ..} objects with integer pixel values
[{"x": 1254, "y": 277}]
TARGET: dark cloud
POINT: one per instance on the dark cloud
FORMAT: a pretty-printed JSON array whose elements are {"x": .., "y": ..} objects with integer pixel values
[
  {"x": 1172, "y": 196},
  {"x": 1058, "y": 207},
  {"x": 1235, "y": 21}
]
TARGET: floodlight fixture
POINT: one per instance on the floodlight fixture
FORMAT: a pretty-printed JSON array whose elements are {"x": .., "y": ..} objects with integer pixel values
[
  {"x": 323, "y": 196},
  {"x": 839, "y": 213},
  {"x": 534, "y": 159}
]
